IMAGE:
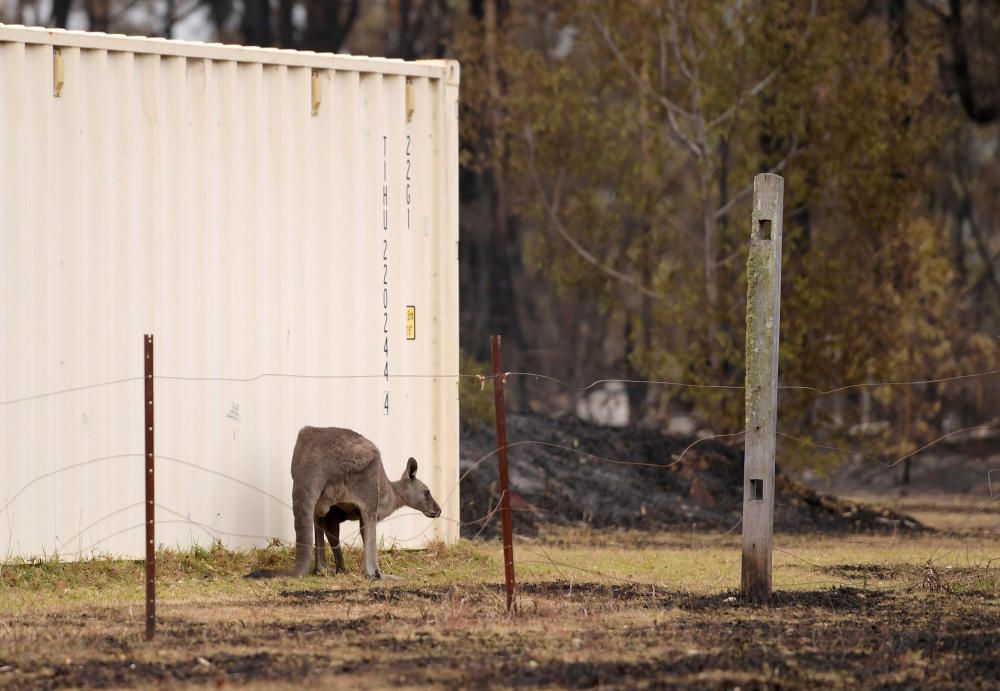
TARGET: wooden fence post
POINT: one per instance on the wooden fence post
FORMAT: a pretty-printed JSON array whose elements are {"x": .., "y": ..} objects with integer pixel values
[{"x": 763, "y": 322}]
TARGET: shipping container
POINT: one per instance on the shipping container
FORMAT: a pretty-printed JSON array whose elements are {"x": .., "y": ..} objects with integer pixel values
[{"x": 284, "y": 223}]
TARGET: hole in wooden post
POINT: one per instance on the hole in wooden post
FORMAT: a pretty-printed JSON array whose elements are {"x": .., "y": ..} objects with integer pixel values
[
  {"x": 757, "y": 490},
  {"x": 764, "y": 228}
]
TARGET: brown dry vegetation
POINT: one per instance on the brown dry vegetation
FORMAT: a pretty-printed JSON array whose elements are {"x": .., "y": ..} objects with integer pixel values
[{"x": 597, "y": 608}]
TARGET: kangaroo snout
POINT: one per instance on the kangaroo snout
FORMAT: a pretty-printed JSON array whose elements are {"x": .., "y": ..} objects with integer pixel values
[{"x": 416, "y": 494}]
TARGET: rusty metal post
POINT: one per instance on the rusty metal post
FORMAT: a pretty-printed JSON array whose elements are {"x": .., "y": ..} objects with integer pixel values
[
  {"x": 508, "y": 537},
  {"x": 150, "y": 505}
]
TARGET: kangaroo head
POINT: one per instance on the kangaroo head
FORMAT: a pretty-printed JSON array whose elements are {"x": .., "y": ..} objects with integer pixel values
[{"x": 414, "y": 493}]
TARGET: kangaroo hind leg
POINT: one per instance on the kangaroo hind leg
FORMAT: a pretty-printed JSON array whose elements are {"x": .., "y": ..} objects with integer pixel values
[
  {"x": 371, "y": 549},
  {"x": 331, "y": 526}
]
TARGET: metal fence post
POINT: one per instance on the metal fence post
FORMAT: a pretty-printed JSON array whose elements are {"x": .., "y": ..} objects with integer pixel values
[
  {"x": 498, "y": 403},
  {"x": 150, "y": 505},
  {"x": 763, "y": 321}
]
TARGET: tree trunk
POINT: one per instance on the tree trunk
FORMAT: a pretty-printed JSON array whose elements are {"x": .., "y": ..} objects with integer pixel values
[
  {"x": 496, "y": 144},
  {"x": 98, "y": 15},
  {"x": 257, "y": 23},
  {"x": 710, "y": 229},
  {"x": 978, "y": 112},
  {"x": 505, "y": 255},
  {"x": 168, "y": 19},
  {"x": 329, "y": 24},
  {"x": 60, "y": 13},
  {"x": 286, "y": 30},
  {"x": 636, "y": 390},
  {"x": 404, "y": 41}
]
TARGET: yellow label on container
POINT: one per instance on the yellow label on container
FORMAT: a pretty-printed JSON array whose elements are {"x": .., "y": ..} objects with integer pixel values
[{"x": 411, "y": 323}]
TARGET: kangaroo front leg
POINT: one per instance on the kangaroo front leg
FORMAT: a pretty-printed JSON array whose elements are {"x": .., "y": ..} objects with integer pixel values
[
  {"x": 332, "y": 528},
  {"x": 320, "y": 547},
  {"x": 371, "y": 549}
]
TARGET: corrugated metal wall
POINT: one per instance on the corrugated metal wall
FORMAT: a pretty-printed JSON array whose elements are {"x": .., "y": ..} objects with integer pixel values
[{"x": 190, "y": 191}]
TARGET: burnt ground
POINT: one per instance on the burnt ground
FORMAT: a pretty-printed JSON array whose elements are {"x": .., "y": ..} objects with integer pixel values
[
  {"x": 582, "y": 484},
  {"x": 577, "y": 635}
]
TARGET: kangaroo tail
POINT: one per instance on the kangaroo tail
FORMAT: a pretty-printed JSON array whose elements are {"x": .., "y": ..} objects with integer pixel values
[
  {"x": 303, "y": 504},
  {"x": 305, "y": 493}
]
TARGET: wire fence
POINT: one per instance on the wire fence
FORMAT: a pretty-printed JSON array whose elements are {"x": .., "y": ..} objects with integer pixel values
[
  {"x": 479, "y": 524},
  {"x": 487, "y": 377}
]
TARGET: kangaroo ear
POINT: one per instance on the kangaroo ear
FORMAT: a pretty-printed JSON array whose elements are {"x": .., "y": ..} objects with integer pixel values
[{"x": 411, "y": 468}]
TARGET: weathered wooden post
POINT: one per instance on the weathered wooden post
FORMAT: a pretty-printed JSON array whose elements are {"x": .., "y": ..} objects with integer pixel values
[{"x": 763, "y": 320}]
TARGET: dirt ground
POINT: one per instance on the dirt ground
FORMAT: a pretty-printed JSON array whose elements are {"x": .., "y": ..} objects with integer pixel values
[
  {"x": 611, "y": 636},
  {"x": 610, "y": 609}
]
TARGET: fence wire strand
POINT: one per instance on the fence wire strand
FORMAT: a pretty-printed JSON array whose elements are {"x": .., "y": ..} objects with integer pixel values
[
  {"x": 738, "y": 387},
  {"x": 483, "y": 522},
  {"x": 57, "y": 471},
  {"x": 485, "y": 377},
  {"x": 212, "y": 471},
  {"x": 892, "y": 464},
  {"x": 538, "y": 550},
  {"x": 318, "y": 377},
  {"x": 74, "y": 389}
]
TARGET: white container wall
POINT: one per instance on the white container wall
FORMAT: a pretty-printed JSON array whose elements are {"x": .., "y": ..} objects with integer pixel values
[{"x": 271, "y": 217}]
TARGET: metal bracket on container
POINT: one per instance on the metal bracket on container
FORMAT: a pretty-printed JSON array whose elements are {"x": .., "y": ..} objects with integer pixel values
[
  {"x": 409, "y": 100},
  {"x": 58, "y": 72},
  {"x": 317, "y": 96}
]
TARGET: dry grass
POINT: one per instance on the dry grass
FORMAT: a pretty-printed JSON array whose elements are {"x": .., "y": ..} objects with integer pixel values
[{"x": 619, "y": 609}]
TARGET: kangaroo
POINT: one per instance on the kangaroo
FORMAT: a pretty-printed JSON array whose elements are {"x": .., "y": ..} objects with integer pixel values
[{"x": 337, "y": 476}]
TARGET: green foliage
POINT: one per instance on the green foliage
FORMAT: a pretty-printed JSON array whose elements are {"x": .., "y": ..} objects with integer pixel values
[
  {"x": 635, "y": 129},
  {"x": 475, "y": 396}
]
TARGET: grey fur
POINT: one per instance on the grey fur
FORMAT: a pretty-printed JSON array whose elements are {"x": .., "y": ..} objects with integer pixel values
[{"x": 337, "y": 476}]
